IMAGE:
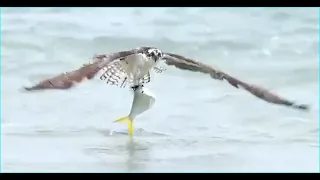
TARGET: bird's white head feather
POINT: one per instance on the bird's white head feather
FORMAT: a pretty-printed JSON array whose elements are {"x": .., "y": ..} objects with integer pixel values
[{"x": 156, "y": 54}]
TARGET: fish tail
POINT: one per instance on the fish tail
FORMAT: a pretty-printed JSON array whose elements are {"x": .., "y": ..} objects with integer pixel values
[{"x": 126, "y": 119}]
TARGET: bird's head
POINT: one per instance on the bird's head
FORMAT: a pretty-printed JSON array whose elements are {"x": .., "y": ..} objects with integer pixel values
[{"x": 156, "y": 54}]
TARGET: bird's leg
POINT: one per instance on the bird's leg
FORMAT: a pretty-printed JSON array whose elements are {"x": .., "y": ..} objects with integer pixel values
[{"x": 135, "y": 87}]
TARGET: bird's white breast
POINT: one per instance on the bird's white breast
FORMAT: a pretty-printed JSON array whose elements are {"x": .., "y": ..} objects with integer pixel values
[{"x": 138, "y": 64}]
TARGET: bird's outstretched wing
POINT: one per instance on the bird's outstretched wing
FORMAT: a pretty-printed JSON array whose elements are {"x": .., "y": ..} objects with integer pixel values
[
  {"x": 67, "y": 80},
  {"x": 192, "y": 65}
]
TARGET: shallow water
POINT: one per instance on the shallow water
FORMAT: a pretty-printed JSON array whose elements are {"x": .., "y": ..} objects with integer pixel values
[{"x": 196, "y": 125}]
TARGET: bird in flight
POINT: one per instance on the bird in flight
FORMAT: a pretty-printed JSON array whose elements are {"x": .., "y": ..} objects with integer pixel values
[{"x": 133, "y": 67}]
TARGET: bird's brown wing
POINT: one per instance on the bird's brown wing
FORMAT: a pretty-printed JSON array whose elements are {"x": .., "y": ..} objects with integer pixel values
[
  {"x": 67, "y": 80},
  {"x": 192, "y": 65}
]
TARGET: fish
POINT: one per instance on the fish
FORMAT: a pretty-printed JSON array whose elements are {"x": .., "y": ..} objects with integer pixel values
[{"x": 143, "y": 100}]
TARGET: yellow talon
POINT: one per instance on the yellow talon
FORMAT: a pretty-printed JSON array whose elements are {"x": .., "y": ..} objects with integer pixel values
[{"x": 127, "y": 120}]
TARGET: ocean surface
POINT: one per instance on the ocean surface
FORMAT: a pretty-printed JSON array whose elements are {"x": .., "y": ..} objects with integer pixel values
[{"x": 196, "y": 125}]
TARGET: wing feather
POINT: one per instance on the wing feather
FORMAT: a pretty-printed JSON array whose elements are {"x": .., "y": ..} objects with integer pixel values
[
  {"x": 146, "y": 79},
  {"x": 192, "y": 65},
  {"x": 69, "y": 79},
  {"x": 114, "y": 75}
]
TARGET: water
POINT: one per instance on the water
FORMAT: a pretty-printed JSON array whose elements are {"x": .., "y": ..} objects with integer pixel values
[{"x": 196, "y": 125}]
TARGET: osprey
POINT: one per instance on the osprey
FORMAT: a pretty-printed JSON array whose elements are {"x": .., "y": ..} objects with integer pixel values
[{"x": 133, "y": 67}]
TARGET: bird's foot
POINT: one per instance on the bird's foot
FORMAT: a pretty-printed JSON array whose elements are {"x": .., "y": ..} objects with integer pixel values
[
  {"x": 159, "y": 69},
  {"x": 136, "y": 87}
]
